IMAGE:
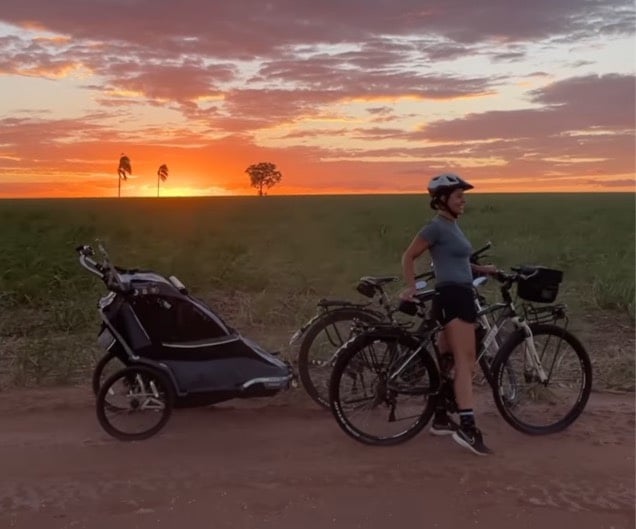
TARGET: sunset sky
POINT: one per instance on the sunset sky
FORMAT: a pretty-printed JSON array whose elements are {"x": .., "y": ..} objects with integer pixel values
[{"x": 347, "y": 96}]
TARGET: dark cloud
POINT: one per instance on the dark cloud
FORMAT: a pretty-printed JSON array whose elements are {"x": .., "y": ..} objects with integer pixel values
[
  {"x": 582, "y": 93},
  {"x": 510, "y": 56},
  {"x": 24, "y": 133},
  {"x": 254, "y": 27},
  {"x": 287, "y": 85},
  {"x": 175, "y": 83},
  {"x": 378, "y": 133},
  {"x": 367, "y": 72},
  {"x": 569, "y": 105},
  {"x": 300, "y": 134},
  {"x": 189, "y": 53},
  {"x": 380, "y": 111},
  {"x": 614, "y": 183}
]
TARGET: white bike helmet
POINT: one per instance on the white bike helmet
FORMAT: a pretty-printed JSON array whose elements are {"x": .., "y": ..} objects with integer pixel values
[{"x": 445, "y": 183}]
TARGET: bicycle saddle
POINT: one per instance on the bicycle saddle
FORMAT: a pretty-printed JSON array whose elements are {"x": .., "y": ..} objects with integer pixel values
[
  {"x": 410, "y": 307},
  {"x": 424, "y": 295}
]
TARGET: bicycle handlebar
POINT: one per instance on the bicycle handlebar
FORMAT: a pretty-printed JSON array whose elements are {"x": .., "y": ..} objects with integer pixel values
[
  {"x": 521, "y": 273},
  {"x": 474, "y": 257},
  {"x": 85, "y": 257},
  {"x": 106, "y": 271}
]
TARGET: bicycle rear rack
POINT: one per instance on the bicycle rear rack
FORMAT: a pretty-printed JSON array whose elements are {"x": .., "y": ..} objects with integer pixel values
[{"x": 546, "y": 314}]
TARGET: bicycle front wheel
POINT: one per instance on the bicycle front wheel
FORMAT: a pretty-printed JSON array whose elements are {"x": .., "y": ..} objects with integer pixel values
[
  {"x": 549, "y": 395},
  {"x": 383, "y": 387},
  {"x": 317, "y": 351}
]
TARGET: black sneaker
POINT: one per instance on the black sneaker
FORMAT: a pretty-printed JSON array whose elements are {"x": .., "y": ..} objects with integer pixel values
[
  {"x": 471, "y": 438},
  {"x": 443, "y": 425}
]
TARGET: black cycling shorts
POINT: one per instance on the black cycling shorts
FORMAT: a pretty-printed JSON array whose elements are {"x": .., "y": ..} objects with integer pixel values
[{"x": 454, "y": 301}]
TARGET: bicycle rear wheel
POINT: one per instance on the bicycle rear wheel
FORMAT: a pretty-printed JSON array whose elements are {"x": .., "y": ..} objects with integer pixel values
[
  {"x": 542, "y": 407},
  {"x": 383, "y": 387},
  {"x": 317, "y": 350}
]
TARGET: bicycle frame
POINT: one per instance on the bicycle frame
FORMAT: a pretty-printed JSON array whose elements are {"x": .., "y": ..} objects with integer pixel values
[
  {"x": 406, "y": 362},
  {"x": 491, "y": 330},
  {"x": 510, "y": 314},
  {"x": 532, "y": 357},
  {"x": 520, "y": 323},
  {"x": 150, "y": 395},
  {"x": 379, "y": 299},
  {"x": 490, "y": 343}
]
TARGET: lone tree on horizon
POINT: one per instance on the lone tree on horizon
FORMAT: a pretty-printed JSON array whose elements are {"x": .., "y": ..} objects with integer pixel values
[{"x": 263, "y": 175}]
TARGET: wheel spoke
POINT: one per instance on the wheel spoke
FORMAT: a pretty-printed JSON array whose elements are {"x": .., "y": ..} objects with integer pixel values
[
  {"x": 134, "y": 403},
  {"x": 544, "y": 406},
  {"x": 322, "y": 340},
  {"x": 385, "y": 413}
]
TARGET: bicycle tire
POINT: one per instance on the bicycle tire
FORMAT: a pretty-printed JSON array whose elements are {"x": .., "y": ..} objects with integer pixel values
[
  {"x": 304, "y": 353},
  {"x": 344, "y": 358},
  {"x": 501, "y": 361},
  {"x": 134, "y": 370},
  {"x": 100, "y": 367},
  {"x": 486, "y": 374}
]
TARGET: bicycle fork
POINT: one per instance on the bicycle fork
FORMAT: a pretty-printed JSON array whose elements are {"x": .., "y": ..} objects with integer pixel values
[{"x": 531, "y": 357}]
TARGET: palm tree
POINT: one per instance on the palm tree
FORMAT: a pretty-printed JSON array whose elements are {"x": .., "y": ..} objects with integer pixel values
[
  {"x": 124, "y": 167},
  {"x": 162, "y": 175}
]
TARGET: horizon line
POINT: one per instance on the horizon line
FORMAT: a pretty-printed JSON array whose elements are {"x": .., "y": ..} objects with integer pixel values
[{"x": 290, "y": 195}]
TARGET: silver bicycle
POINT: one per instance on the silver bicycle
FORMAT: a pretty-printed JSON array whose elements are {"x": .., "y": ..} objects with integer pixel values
[{"x": 386, "y": 380}]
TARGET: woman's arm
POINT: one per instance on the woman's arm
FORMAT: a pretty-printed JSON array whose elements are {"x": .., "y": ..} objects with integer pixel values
[
  {"x": 484, "y": 269},
  {"x": 417, "y": 247}
]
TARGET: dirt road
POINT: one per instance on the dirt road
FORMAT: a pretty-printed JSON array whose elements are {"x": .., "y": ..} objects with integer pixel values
[{"x": 282, "y": 463}]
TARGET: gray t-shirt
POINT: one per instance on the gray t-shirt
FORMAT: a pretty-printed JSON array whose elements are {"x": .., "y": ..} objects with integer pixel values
[{"x": 450, "y": 250}]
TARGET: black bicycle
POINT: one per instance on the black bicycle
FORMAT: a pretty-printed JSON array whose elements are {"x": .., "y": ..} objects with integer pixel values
[
  {"x": 336, "y": 321},
  {"x": 386, "y": 379},
  {"x": 333, "y": 324}
]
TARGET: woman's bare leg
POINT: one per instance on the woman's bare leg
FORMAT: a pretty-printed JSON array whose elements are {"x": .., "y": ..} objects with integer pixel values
[{"x": 460, "y": 336}]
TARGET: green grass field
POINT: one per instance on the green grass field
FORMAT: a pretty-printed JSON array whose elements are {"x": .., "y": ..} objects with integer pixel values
[{"x": 263, "y": 263}]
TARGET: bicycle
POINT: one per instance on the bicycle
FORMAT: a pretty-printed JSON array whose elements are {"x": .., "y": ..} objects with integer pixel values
[
  {"x": 332, "y": 326},
  {"x": 386, "y": 366},
  {"x": 336, "y": 321},
  {"x": 322, "y": 336}
]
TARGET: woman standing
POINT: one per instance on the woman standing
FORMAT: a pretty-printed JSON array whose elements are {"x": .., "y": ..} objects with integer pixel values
[{"x": 454, "y": 305}]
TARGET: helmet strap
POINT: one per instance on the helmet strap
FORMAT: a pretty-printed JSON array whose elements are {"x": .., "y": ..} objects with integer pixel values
[{"x": 444, "y": 206}]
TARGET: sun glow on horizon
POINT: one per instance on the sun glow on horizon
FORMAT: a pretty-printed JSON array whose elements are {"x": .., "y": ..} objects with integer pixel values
[
  {"x": 378, "y": 109},
  {"x": 192, "y": 192}
]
